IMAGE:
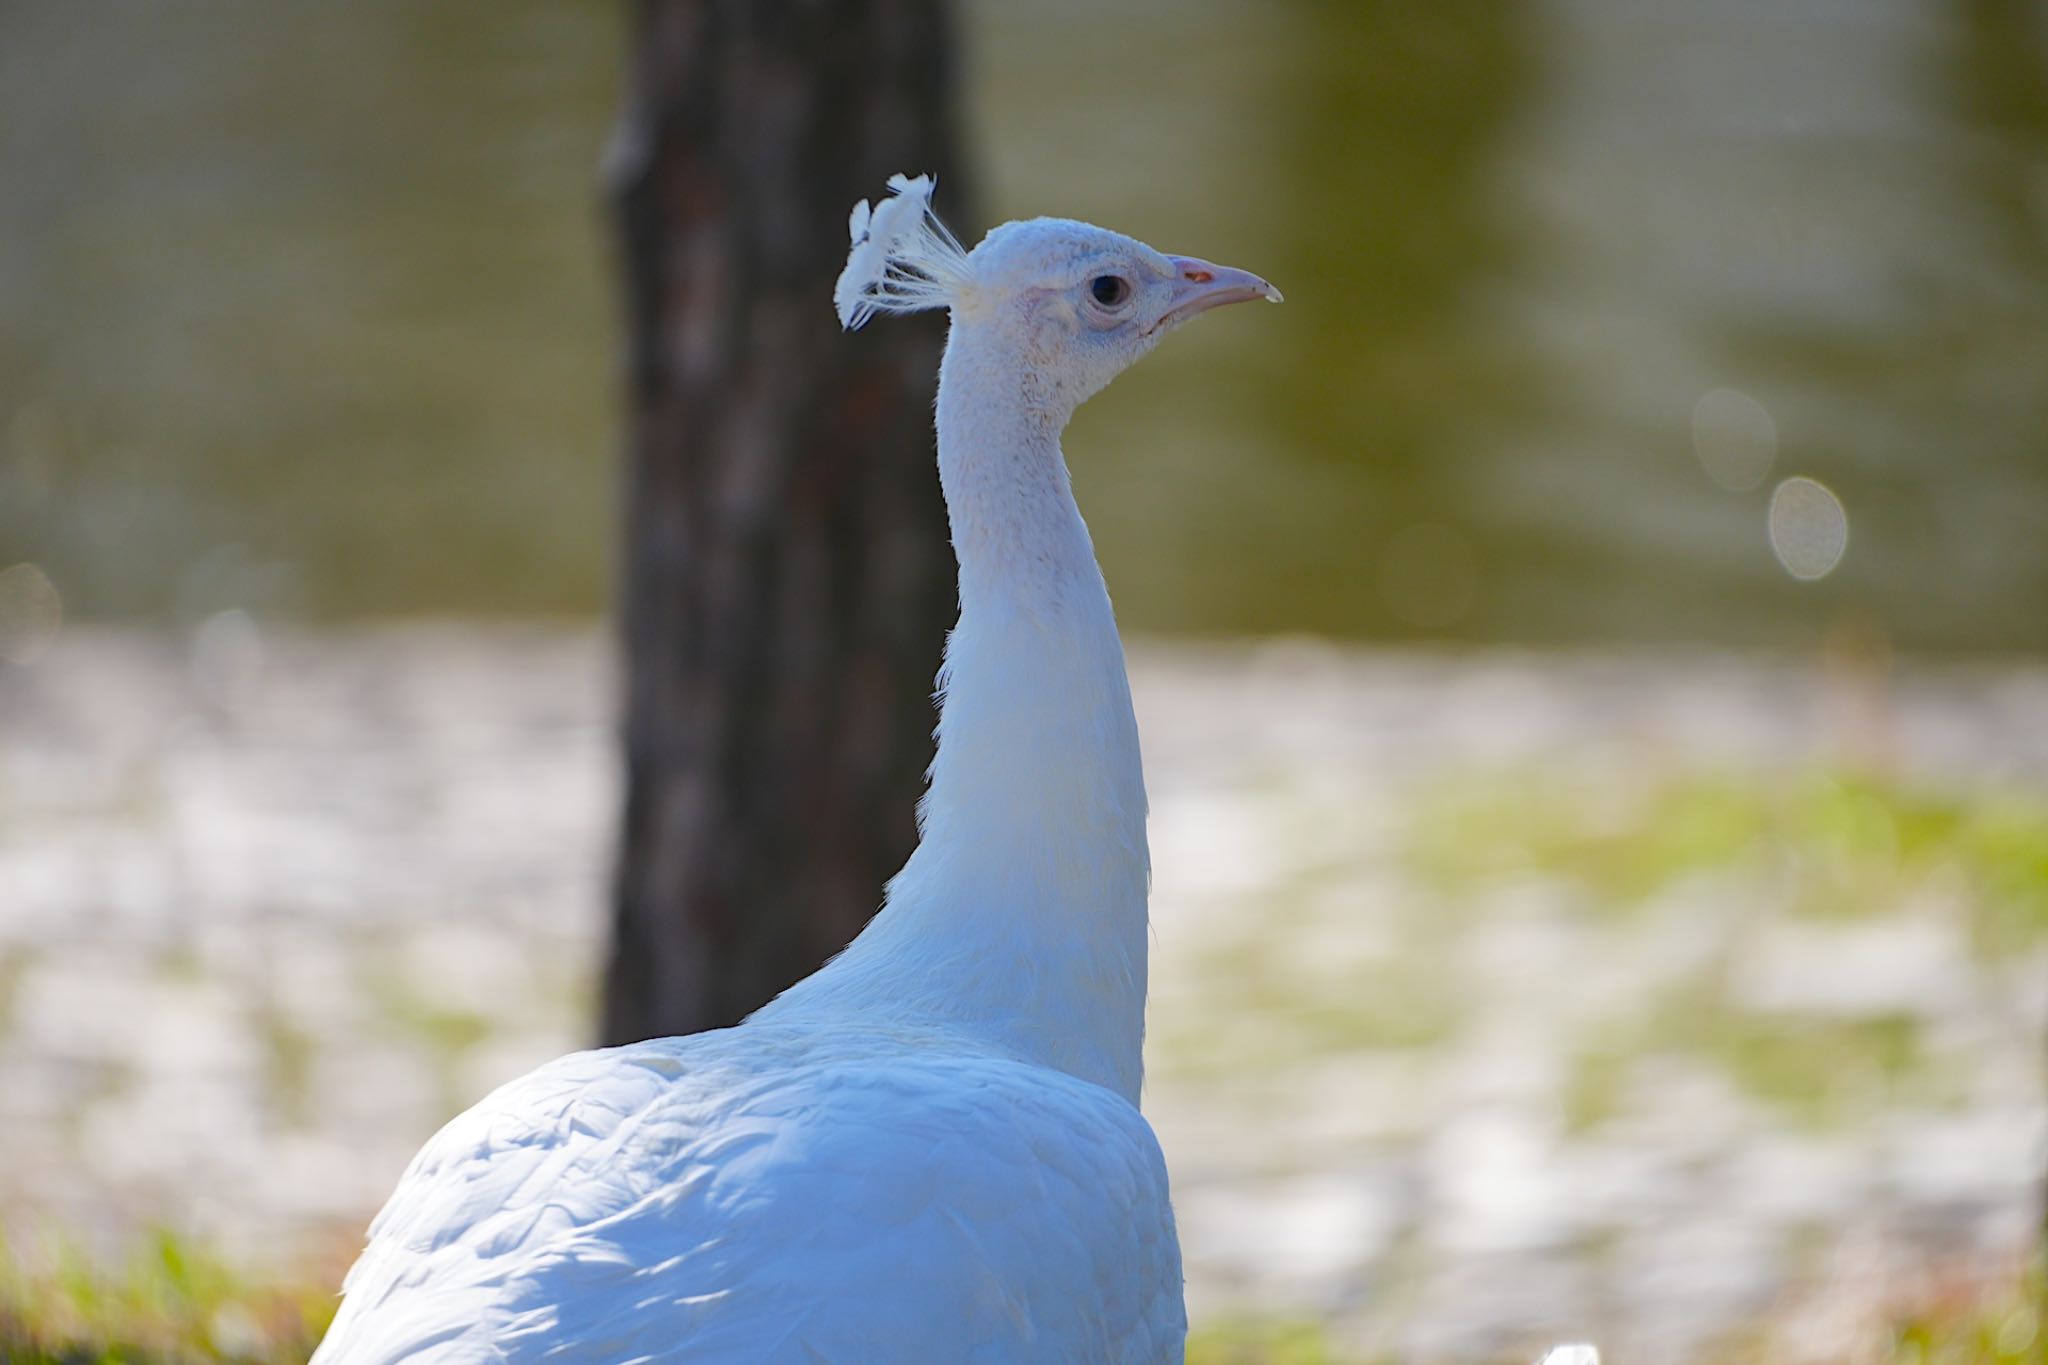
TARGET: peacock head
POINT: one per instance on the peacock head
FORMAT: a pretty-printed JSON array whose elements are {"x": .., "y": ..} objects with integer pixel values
[{"x": 1075, "y": 304}]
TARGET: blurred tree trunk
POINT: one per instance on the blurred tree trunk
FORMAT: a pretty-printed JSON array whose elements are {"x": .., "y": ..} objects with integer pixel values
[{"x": 786, "y": 580}]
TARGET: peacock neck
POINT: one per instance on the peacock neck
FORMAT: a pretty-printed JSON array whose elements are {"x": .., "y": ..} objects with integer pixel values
[
  {"x": 1022, "y": 911},
  {"x": 1038, "y": 748}
]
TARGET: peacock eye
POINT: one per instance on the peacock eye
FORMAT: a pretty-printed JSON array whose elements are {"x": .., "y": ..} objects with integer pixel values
[{"x": 1111, "y": 291}]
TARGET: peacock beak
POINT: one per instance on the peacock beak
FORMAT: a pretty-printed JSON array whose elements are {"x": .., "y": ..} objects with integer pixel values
[{"x": 1201, "y": 286}]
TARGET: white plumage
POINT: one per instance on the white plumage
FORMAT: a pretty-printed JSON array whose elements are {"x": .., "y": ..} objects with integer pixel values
[
  {"x": 902, "y": 258},
  {"x": 930, "y": 1149}
]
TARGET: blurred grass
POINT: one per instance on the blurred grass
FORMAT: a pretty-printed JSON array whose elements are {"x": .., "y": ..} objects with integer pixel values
[
  {"x": 1821, "y": 845},
  {"x": 1614, "y": 853},
  {"x": 176, "y": 1303},
  {"x": 173, "y": 1302},
  {"x": 1391, "y": 917},
  {"x": 1819, "y": 1073},
  {"x": 1261, "y": 1343},
  {"x": 1930, "y": 1325},
  {"x": 1842, "y": 844}
]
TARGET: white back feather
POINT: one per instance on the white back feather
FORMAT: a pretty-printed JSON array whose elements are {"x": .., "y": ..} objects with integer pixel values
[{"x": 903, "y": 258}]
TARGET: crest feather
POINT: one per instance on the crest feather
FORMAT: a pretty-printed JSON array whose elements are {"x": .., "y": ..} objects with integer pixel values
[{"x": 903, "y": 258}]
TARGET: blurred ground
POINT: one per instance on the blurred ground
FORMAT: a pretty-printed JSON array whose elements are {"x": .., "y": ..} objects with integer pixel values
[{"x": 1498, "y": 997}]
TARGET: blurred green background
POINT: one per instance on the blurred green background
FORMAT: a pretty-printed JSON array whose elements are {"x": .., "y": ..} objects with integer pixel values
[
  {"x": 307, "y": 310},
  {"x": 1630, "y": 322}
]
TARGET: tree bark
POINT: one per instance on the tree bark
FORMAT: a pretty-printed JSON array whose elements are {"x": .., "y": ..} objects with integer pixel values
[{"x": 786, "y": 581}]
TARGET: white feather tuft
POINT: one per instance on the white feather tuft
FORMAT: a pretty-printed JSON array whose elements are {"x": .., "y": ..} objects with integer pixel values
[{"x": 903, "y": 258}]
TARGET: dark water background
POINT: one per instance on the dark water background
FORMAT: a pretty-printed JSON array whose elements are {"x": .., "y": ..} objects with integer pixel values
[{"x": 305, "y": 310}]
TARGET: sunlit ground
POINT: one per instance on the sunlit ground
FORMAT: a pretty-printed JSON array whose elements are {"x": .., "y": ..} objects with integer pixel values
[{"x": 1689, "y": 1003}]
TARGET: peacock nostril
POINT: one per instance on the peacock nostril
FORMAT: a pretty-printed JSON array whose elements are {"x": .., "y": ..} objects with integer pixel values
[{"x": 1196, "y": 276}]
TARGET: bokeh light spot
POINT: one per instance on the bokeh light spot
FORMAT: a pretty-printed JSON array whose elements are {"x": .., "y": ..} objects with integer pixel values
[
  {"x": 1735, "y": 439},
  {"x": 31, "y": 613},
  {"x": 1809, "y": 528}
]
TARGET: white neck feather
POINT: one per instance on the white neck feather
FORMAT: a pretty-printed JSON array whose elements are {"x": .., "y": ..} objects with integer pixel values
[{"x": 1022, "y": 912}]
